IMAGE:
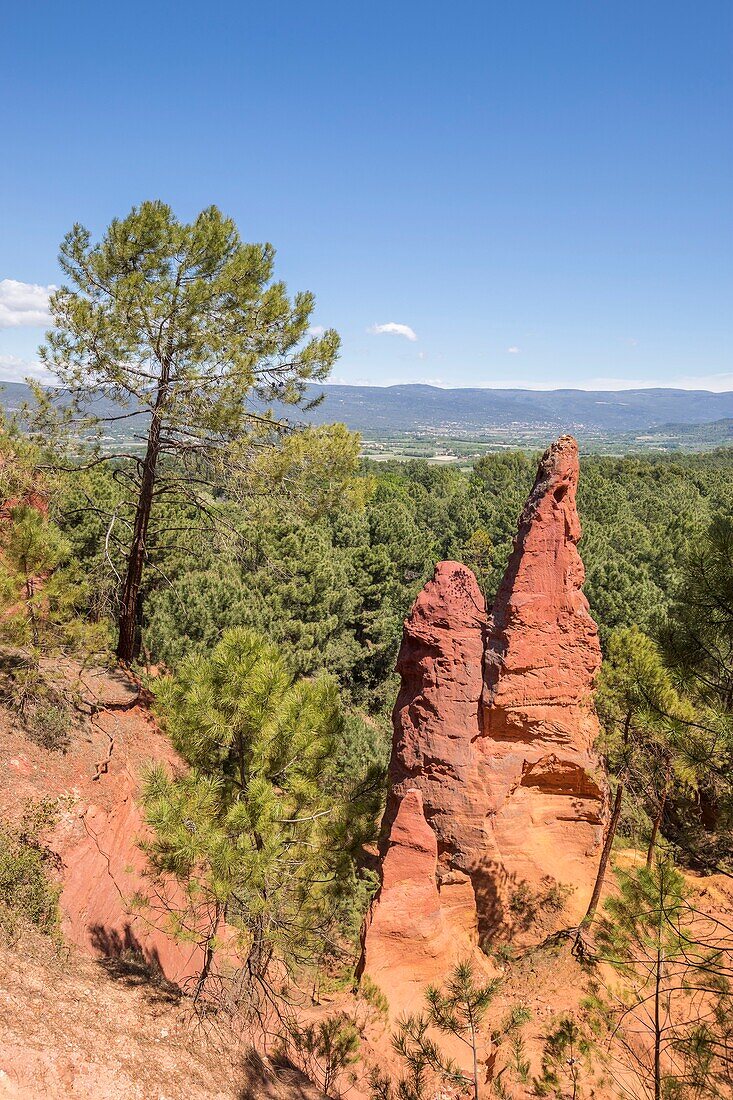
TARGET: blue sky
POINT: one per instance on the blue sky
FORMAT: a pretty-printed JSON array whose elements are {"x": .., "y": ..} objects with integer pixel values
[{"x": 538, "y": 193}]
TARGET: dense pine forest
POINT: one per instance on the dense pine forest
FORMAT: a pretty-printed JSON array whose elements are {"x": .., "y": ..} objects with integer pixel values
[{"x": 330, "y": 573}]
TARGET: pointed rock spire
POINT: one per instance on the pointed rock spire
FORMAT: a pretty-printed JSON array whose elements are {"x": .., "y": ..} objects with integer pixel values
[
  {"x": 543, "y": 651},
  {"x": 546, "y": 793},
  {"x": 494, "y": 727},
  {"x": 437, "y": 716}
]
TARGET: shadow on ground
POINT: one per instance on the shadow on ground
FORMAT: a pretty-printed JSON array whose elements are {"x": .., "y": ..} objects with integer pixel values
[{"x": 125, "y": 960}]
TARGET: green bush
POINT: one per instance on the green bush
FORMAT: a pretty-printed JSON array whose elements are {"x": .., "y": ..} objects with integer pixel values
[
  {"x": 43, "y": 711},
  {"x": 28, "y": 894}
]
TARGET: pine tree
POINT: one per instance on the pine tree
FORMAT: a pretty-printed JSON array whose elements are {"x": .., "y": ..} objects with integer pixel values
[
  {"x": 674, "y": 1004},
  {"x": 175, "y": 334},
  {"x": 645, "y": 723},
  {"x": 477, "y": 554},
  {"x": 258, "y": 834},
  {"x": 458, "y": 1009},
  {"x": 697, "y": 640},
  {"x": 42, "y": 592}
]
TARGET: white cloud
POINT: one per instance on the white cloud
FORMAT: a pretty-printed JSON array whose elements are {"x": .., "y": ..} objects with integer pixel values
[
  {"x": 13, "y": 368},
  {"x": 392, "y": 328},
  {"x": 513, "y": 350},
  {"x": 316, "y": 330},
  {"x": 23, "y": 304}
]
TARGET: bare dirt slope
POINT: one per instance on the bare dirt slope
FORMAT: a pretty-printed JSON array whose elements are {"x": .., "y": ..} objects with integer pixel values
[
  {"x": 73, "y": 1027},
  {"x": 96, "y": 1017}
]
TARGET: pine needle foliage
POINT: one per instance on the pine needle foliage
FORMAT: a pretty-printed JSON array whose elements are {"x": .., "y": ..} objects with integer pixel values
[
  {"x": 258, "y": 833},
  {"x": 653, "y": 745},
  {"x": 696, "y": 638},
  {"x": 457, "y": 1008},
  {"x": 43, "y": 592},
  {"x": 673, "y": 1007},
  {"x": 178, "y": 333}
]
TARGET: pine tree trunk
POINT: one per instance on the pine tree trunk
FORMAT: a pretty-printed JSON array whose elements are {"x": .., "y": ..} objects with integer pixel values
[
  {"x": 655, "y": 830},
  {"x": 587, "y": 920},
  {"x": 208, "y": 954},
  {"x": 475, "y": 1064},
  {"x": 127, "y": 639},
  {"x": 605, "y": 855},
  {"x": 29, "y": 594},
  {"x": 658, "y": 1029}
]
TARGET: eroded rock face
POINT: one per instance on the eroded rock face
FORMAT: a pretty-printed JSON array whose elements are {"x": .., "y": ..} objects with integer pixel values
[
  {"x": 95, "y": 789},
  {"x": 97, "y": 841},
  {"x": 494, "y": 726},
  {"x": 411, "y": 935},
  {"x": 437, "y": 718},
  {"x": 546, "y": 795}
]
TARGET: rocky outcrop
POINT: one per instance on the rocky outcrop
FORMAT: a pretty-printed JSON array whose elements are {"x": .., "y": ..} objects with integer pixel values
[
  {"x": 546, "y": 796},
  {"x": 494, "y": 726},
  {"x": 412, "y": 921},
  {"x": 437, "y": 719}
]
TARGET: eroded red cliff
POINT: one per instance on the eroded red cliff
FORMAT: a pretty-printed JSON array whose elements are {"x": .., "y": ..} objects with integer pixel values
[
  {"x": 412, "y": 934},
  {"x": 494, "y": 726},
  {"x": 546, "y": 795},
  {"x": 95, "y": 787}
]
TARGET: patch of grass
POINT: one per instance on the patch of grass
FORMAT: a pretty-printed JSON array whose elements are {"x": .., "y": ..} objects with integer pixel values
[
  {"x": 43, "y": 711},
  {"x": 28, "y": 893}
]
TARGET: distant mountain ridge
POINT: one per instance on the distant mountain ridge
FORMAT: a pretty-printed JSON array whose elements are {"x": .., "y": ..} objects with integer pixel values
[
  {"x": 412, "y": 408},
  {"x": 389, "y": 410}
]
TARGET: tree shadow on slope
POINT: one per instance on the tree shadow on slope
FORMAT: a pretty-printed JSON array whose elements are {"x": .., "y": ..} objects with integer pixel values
[
  {"x": 125, "y": 960},
  {"x": 275, "y": 1079}
]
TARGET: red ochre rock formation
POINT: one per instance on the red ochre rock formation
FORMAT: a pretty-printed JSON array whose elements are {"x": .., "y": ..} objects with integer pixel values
[
  {"x": 412, "y": 935},
  {"x": 547, "y": 795},
  {"x": 494, "y": 725}
]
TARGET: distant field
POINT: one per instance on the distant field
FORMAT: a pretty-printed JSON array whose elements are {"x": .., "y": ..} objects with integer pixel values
[
  {"x": 669, "y": 439},
  {"x": 401, "y": 423}
]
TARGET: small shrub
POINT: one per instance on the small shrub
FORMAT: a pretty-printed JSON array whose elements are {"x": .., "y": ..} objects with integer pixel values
[
  {"x": 28, "y": 894},
  {"x": 370, "y": 992},
  {"x": 517, "y": 1017},
  {"x": 521, "y": 900},
  {"x": 528, "y": 906},
  {"x": 555, "y": 898},
  {"x": 50, "y": 726},
  {"x": 502, "y": 952},
  {"x": 566, "y": 1061},
  {"x": 325, "y": 1050},
  {"x": 43, "y": 711},
  {"x": 516, "y": 1065}
]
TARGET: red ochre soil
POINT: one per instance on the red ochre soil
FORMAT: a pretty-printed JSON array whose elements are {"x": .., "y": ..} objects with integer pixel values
[
  {"x": 100, "y": 1017},
  {"x": 95, "y": 786}
]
